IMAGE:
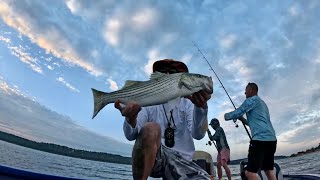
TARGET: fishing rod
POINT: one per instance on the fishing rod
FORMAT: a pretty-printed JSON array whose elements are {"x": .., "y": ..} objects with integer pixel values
[
  {"x": 223, "y": 88},
  {"x": 210, "y": 143}
]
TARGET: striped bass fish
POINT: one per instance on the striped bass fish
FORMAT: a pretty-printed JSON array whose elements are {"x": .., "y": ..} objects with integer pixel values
[{"x": 160, "y": 89}]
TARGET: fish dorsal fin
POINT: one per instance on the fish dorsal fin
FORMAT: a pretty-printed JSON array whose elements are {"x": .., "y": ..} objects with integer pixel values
[
  {"x": 157, "y": 75},
  {"x": 130, "y": 83}
]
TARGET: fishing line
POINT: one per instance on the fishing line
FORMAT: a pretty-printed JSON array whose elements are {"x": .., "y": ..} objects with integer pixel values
[{"x": 223, "y": 88}]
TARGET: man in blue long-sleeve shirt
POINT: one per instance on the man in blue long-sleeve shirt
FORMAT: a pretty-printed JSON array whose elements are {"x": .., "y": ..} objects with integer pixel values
[{"x": 263, "y": 144}]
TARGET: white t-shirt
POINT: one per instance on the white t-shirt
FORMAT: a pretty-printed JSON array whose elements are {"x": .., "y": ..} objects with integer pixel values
[{"x": 190, "y": 121}]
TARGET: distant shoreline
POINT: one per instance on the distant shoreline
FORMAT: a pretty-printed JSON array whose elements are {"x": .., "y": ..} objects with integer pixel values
[
  {"x": 65, "y": 151},
  {"x": 301, "y": 153},
  {"x": 101, "y": 156},
  {"x": 237, "y": 161},
  {"x": 308, "y": 151}
]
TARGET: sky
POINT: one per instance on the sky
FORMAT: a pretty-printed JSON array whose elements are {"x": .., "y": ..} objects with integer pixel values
[{"x": 52, "y": 52}]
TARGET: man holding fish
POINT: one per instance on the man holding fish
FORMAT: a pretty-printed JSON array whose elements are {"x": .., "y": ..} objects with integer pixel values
[{"x": 164, "y": 130}]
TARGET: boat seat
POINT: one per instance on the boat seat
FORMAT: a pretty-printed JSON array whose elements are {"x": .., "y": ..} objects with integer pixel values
[
  {"x": 204, "y": 165},
  {"x": 204, "y": 160},
  {"x": 261, "y": 175}
]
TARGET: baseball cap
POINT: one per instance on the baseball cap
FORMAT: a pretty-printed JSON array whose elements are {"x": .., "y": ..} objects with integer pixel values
[
  {"x": 169, "y": 66},
  {"x": 214, "y": 121}
]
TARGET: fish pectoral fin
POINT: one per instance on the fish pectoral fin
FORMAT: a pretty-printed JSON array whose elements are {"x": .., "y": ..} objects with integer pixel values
[{"x": 130, "y": 83}]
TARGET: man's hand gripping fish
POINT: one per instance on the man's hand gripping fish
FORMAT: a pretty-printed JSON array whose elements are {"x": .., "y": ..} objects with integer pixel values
[{"x": 160, "y": 89}]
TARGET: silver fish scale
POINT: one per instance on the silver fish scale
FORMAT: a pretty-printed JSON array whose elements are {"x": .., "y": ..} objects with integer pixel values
[
  {"x": 153, "y": 92},
  {"x": 146, "y": 89},
  {"x": 155, "y": 83}
]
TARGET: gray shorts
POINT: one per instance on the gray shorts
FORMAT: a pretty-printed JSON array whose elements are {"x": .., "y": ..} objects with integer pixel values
[{"x": 171, "y": 165}]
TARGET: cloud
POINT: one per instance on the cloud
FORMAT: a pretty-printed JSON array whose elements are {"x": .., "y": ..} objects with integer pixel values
[
  {"x": 111, "y": 34},
  {"x": 49, "y": 35},
  {"x": 273, "y": 44},
  {"x": 6, "y": 40},
  {"x": 29, "y": 119},
  {"x": 228, "y": 41},
  {"x": 21, "y": 53},
  {"x": 50, "y": 67},
  {"x": 144, "y": 18},
  {"x": 6, "y": 88},
  {"x": 26, "y": 58},
  {"x": 113, "y": 85},
  {"x": 153, "y": 55},
  {"x": 91, "y": 11},
  {"x": 68, "y": 85}
]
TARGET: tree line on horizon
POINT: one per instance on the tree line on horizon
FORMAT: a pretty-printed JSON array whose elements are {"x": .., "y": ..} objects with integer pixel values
[
  {"x": 99, "y": 156},
  {"x": 311, "y": 150},
  {"x": 64, "y": 150}
]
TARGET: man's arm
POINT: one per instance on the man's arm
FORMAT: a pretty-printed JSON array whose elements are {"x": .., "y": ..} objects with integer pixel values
[
  {"x": 129, "y": 132},
  {"x": 209, "y": 135},
  {"x": 200, "y": 123},
  {"x": 200, "y": 120},
  {"x": 131, "y": 125},
  {"x": 213, "y": 137},
  {"x": 246, "y": 106}
]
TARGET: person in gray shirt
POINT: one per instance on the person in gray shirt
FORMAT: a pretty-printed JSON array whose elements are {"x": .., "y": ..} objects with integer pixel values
[{"x": 223, "y": 157}]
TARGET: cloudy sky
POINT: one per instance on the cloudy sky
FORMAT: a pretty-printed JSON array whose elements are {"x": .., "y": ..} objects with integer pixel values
[{"x": 52, "y": 52}]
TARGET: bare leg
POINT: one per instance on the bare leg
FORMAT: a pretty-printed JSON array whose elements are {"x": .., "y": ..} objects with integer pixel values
[
  {"x": 219, "y": 171},
  {"x": 270, "y": 174},
  {"x": 251, "y": 175},
  {"x": 145, "y": 150},
  {"x": 226, "y": 168}
]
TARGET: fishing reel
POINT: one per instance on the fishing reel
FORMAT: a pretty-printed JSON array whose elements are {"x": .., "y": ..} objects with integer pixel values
[{"x": 235, "y": 123}]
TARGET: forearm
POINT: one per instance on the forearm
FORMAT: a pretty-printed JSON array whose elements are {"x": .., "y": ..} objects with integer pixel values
[
  {"x": 210, "y": 136},
  {"x": 245, "y": 107},
  {"x": 200, "y": 122},
  {"x": 236, "y": 114},
  {"x": 130, "y": 133}
]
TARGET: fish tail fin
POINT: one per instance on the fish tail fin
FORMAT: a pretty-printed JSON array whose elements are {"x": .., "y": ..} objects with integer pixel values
[{"x": 98, "y": 105}]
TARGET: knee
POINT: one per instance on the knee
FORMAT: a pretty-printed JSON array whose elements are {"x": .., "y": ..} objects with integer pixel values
[
  {"x": 269, "y": 174},
  {"x": 150, "y": 132},
  {"x": 224, "y": 163},
  {"x": 250, "y": 175}
]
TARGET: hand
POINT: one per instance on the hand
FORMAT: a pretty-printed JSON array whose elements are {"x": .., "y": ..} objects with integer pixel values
[
  {"x": 242, "y": 118},
  {"x": 130, "y": 111},
  {"x": 200, "y": 98}
]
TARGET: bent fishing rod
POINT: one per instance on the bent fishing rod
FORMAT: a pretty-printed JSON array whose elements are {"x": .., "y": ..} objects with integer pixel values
[{"x": 222, "y": 87}]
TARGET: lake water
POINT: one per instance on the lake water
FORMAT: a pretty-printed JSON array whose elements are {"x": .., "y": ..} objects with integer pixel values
[{"x": 42, "y": 162}]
